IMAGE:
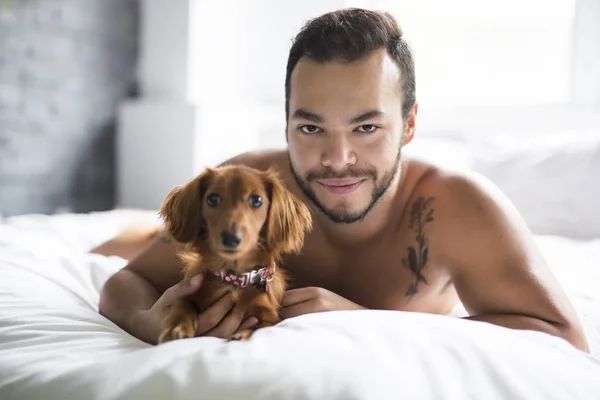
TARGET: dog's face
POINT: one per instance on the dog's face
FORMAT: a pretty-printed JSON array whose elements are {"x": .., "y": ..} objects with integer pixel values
[
  {"x": 235, "y": 205},
  {"x": 234, "y": 209}
]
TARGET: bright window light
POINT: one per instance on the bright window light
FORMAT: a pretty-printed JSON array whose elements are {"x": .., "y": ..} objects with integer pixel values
[{"x": 488, "y": 53}]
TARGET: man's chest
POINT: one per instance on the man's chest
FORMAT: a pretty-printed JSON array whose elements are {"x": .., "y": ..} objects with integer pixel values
[{"x": 399, "y": 274}]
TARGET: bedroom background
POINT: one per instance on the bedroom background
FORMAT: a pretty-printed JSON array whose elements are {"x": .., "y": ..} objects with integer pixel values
[{"x": 109, "y": 104}]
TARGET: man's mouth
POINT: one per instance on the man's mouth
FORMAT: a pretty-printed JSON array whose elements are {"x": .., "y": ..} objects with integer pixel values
[{"x": 341, "y": 186}]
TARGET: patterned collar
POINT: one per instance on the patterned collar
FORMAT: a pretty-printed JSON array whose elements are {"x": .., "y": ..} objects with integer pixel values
[{"x": 261, "y": 276}]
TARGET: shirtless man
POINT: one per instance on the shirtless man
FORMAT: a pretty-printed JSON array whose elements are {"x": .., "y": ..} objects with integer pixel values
[{"x": 389, "y": 232}]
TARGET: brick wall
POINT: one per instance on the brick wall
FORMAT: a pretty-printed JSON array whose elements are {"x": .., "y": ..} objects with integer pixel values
[{"x": 64, "y": 67}]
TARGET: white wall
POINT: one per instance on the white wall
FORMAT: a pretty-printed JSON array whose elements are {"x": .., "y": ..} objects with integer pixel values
[{"x": 586, "y": 54}]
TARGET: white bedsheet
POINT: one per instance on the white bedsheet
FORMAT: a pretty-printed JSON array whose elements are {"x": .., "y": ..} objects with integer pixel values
[{"x": 54, "y": 344}]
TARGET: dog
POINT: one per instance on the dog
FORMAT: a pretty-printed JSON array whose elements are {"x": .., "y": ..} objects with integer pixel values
[{"x": 236, "y": 223}]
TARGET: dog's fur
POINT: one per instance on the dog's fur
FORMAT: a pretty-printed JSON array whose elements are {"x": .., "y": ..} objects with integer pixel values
[{"x": 276, "y": 227}]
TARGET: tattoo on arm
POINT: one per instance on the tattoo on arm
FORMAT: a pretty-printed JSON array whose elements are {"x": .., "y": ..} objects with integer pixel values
[{"x": 421, "y": 214}]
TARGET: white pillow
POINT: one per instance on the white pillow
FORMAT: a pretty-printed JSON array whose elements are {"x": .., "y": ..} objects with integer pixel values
[
  {"x": 553, "y": 180},
  {"x": 443, "y": 152}
]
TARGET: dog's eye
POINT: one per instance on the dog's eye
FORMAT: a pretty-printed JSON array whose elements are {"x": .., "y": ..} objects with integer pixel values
[
  {"x": 255, "y": 201},
  {"x": 213, "y": 200}
]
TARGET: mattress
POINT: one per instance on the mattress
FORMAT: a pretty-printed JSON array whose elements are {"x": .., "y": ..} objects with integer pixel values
[{"x": 55, "y": 345}]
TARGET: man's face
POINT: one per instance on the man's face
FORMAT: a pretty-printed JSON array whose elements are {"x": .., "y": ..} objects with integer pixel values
[{"x": 345, "y": 132}]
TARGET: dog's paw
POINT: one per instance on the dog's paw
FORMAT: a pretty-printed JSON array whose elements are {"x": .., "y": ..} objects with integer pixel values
[
  {"x": 243, "y": 335},
  {"x": 182, "y": 330}
]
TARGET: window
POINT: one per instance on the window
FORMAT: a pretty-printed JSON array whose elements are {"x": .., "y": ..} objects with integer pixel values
[{"x": 489, "y": 53}]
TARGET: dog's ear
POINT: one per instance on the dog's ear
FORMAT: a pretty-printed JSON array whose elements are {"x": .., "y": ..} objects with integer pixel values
[
  {"x": 288, "y": 220},
  {"x": 182, "y": 209}
]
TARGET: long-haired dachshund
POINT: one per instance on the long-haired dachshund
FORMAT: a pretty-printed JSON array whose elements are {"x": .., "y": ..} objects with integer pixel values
[{"x": 236, "y": 223}]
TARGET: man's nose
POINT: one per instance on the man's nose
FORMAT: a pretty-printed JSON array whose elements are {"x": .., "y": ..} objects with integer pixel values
[{"x": 338, "y": 154}]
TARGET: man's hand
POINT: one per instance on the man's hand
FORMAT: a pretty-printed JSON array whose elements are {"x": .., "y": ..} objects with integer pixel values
[
  {"x": 221, "y": 320},
  {"x": 308, "y": 300}
]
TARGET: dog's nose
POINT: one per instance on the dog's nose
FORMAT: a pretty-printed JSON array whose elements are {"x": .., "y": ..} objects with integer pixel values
[{"x": 231, "y": 239}]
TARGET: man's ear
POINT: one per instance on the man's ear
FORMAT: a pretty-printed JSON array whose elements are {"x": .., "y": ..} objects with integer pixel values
[
  {"x": 288, "y": 219},
  {"x": 410, "y": 126},
  {"x": 182, "y": 209}
]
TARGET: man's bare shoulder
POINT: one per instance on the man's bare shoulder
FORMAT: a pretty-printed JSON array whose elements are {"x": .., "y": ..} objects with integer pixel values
[
  {"x": 465, "y": 203},
  {"x": 261, "y": 159},
  {"x": 459, "y": 191},
  {"x": 473, "y": 219}
]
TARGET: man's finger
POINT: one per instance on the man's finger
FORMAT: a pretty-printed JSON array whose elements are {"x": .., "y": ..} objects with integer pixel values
[
  {"x": 228, "y": 325},
  {"x": 296, "y": 296},
  {"x": 248, "y": 323},
  {"x": 210, "y": 318},
  {"x": 182, "y": 289}
]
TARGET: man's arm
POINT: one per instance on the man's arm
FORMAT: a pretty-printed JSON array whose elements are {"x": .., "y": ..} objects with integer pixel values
[
  {"x": 498, "y": 271},
  {"x": 138, "y": 285}
]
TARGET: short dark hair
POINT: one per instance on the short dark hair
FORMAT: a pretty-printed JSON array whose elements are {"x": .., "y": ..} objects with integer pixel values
[{"x": 348, "y": 35}]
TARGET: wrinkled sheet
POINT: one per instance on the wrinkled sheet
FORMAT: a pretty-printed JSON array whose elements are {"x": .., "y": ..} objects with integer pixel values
[{"x": 55, "y": 345}]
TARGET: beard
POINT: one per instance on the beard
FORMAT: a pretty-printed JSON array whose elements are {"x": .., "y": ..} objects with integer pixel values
[{"x": 343, "y": 215}]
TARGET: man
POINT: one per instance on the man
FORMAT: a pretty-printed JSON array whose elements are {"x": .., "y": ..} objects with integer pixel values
[{"x": 389, "y": 233}]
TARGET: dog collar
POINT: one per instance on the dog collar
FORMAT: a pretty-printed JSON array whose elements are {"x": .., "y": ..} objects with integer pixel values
[{"x": 263, "y": 275}]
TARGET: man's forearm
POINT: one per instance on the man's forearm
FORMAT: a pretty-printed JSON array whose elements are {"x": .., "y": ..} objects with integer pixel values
[
  {"x": 125, "y": 294},
  {"x": 523, "y": 322}
]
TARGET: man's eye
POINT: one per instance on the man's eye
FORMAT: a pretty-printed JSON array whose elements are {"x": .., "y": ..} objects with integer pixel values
[
  {"x": 213, "y": 200},
  {"x": 367, "y": 128},
  {"x": 310, "y": 129}
]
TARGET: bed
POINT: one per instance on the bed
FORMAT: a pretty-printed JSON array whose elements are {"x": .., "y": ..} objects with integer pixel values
[{"x": 55, "y": 345}]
